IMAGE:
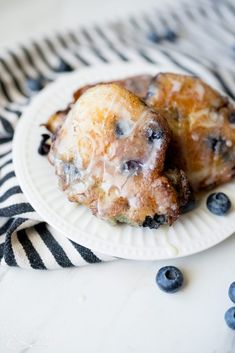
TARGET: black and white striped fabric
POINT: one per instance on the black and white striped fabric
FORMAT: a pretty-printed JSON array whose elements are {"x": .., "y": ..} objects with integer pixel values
[{"x": 197, "y": 38}]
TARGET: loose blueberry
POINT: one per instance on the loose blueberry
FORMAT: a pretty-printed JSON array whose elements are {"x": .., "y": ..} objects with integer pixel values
[
  {"x": 36, "y": 84},
  {"x": 154, "y": 37},
  {"x": 231, "y": 117},
  {"x": 217, "y": 144},
  {"x": 169, "y": 279},
  {"x": 118, "y": 130},
  {"x": 149, "y": 222},
  {"x": 230, "y": 318},
  {"x": 170, "y": 35},
  {"x": 63, "y": 67},
  {"x": 133, "y": 167},
  {"x": 154, "y": 134},
  {"x": 218, "y": 203},
  {"x": 231, "y": 292}
]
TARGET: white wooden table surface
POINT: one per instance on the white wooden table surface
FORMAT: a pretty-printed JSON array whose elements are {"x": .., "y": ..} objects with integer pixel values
[{"x": 114, "y": 307}]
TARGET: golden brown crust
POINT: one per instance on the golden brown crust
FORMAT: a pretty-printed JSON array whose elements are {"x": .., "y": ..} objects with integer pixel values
[{"x": 203, "y": 143}]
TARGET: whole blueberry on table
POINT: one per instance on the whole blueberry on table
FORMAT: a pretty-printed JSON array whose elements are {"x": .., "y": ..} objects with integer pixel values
[
  {"x": 154, "y": 37},
  {"x": 169, "y": 279},
  {"x": 230, "y": 317},
  {"x": 218, "y": 203},
  {"x": 170, "y": 35},
  {"x": 231, "y": 292}
]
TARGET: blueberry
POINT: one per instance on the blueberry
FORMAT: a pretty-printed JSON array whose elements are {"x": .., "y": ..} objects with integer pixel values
[
  {"x": 45, "y": 137},
  {"x": 230, "y": 318},
  {"x": 231, "y": 292},
  {"x": 44, "y": 147},
  {"x": 154, "y": 134},
  {"x": 118, "y": 130},
  {"x": 36, "y": 84},
  {"x": 63, "y": 67},
  {"x": 150, "y": 223},
  {"x": 170, "y": 35},
  {"x": 160, "y": 219},
  {"x": 153, "y": 37},
  {"x": 169, "y": 279},
  {"x": 190, "y": 205},
  {"x": 218, "y": 203},
  {"x": 231, "y": 117},
  {"x": 133, "y": 167},
  {"x": 217, "y": 144}
]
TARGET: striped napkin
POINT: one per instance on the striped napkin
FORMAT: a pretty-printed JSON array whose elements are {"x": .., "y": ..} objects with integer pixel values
[{"x": 197, "y": 37}]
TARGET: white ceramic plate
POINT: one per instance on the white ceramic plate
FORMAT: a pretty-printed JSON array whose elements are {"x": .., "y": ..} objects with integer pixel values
[{"x": 193, "y": 232}]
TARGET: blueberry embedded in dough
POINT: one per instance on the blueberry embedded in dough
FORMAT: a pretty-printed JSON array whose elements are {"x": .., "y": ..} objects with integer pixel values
[
  {"x": 217, "y": 144},
  {"x": 132, "y": 167},
  {"x": 123, "y": 128},
  {"x": 154, "y": 134},
  {"x": 231, "y": 117}
]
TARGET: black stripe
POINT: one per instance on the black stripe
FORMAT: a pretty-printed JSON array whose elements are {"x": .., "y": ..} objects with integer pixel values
[
  {"x": 14, "y": 111},
  {"x": 55, "y": 51},
  {"x": 6, "y": 177},
  {"x": 4, "y": 90},
  {"x": 6, "y": 226},
  {"x": 86, "y": 253},
  {"x": 177, "y": 63},
  {"x": 62, "y": 41},
  {"x": 149, "y": 23},
  {"x": 6, "y": 163},
  {"x": 81, "y": 59},
  {"x": 223, "y": 84},
  {"x": 18, "y": 63},
  {"x": 1, "y": 250},
  {"x": 16, "y": 209},
  {"x": 98, "y": 53},
  {"x": 32, "y": 255},
  {"x": 146, "y": 57},
  {"x": 74, "y": 38},
  {"x": 5, "y": 139},
  {"x": 92, "y": 46},
  {"x": 12, "y": 191},
  {"x": 4, "y": 154},
  {"x": 8, "y": 251},
  {"x": 54, "y": 247},
  {"x": 13, "y": 77},
  {"x": 134, "y": 23},
  {"x": 42, "y": 55},
  {"x": 7, "y": 126},
  {"x": 31, "y": 61},
  {"x": 110, "y": 44},
  {"x": 76, "y": 54},
  {"x": 51, "y": 46},
  {"x": 87, "y": 35}
]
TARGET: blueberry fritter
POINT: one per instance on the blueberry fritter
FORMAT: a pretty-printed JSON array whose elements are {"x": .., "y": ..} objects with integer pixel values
[
  {"x": 110, "y": 156},
  {"x": 202, "y": 122}
]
